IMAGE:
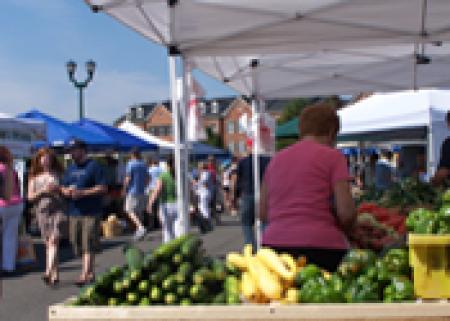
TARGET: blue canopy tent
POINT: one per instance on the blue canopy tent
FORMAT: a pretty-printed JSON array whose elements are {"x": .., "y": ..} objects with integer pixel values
[
  {"x": 59, "y": 132},
  {"x": 121, "y": 140},
  {"x": 349, "y": 151},
  {"x": 200, "y": 151}
]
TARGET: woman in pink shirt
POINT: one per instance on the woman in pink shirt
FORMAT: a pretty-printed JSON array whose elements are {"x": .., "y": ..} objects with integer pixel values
[
  {"x": 306, "y": 201},
  {"x": 11, "y": 207}
]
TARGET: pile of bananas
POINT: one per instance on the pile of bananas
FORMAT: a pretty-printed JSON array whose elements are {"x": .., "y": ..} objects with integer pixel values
[{"x": 266, "y": 276}]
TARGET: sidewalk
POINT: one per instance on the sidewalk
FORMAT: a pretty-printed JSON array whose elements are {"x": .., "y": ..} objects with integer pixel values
[{"x": 26, "y": 298}]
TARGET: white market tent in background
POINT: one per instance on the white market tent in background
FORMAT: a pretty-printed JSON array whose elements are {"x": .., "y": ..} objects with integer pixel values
[
  {"x": 334, "y": 72},
  {"x": 409, "y": 115},
  {"x": 19, "y": 135},
  {"x": 139, "y": 132}
]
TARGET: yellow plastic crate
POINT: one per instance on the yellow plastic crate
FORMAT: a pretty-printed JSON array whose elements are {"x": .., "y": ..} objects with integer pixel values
[{"x": 429, "y": 256}]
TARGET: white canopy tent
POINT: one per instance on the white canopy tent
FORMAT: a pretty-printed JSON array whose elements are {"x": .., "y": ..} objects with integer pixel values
[
  {"x": 192, "y": 28},
  {"x": 19, "y": 135},
  {"x": 402, "y": 111},
  {"x": 230, "y": 27},
  {"x": 139, "y": 132},
  {"x": 329, "y": 72}
]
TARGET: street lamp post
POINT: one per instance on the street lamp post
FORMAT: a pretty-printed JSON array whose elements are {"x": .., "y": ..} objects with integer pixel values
[{"x": 80, "y": 85}]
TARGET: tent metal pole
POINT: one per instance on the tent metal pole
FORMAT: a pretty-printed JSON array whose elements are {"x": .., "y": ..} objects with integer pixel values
[
  {"x": 176, "y": 121},
  {"x": 256, "y": 151},
  {"x": 177, "y": 137},
  {"x": 256, "y": 180},
  {"x": 187, "y": 79},
  {"x": 430, "y": 149},
  {"x": 416, "y": 51}
]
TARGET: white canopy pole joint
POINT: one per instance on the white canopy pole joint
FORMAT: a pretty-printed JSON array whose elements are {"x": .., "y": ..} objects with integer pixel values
[
  {"x": 176, "y": 113},
  {"x": 256, "y": 149}
]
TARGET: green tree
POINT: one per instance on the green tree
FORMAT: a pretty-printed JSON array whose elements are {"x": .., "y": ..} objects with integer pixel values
[
  {"x": 213, "y": 139},
  {"x": 293, "y": 108}
]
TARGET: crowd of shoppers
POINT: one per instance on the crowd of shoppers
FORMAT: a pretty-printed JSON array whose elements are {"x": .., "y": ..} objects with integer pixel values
[{"x": 305, "y": 206}]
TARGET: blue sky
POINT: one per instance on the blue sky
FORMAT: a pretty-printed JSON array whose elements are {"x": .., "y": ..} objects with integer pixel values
[{"x": 39, "y": 37}]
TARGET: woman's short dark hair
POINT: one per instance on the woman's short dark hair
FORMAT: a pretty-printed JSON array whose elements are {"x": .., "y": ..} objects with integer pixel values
[{"x": 319, "y": 120}]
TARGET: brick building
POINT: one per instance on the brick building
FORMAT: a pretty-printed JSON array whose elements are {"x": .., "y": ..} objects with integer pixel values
[{"x": 222, "y": 115}]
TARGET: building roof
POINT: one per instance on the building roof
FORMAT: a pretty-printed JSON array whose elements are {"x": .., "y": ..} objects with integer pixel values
[{"x": 209, "y": 107}]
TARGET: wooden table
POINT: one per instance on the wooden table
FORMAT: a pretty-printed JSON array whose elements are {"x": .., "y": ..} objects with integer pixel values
[{"x": 436, "y": 311}]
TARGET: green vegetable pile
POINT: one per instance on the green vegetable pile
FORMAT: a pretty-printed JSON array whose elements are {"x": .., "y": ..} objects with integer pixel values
[
  {"x": 361, "y": 277},
  {"x": 408, "y": 193},
  {"x": 423, "y": 221},
  {"x": 176, "y": 273}
]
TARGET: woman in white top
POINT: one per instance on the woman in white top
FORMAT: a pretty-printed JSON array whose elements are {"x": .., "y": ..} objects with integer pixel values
[{"x": 44, "y": 193}]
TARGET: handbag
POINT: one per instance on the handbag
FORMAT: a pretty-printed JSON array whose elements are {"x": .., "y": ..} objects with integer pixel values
[{"x": 26, "y": 255}]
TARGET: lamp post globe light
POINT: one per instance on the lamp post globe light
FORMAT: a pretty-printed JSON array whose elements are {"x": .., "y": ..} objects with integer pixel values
[{"x": 71, "y": 67}]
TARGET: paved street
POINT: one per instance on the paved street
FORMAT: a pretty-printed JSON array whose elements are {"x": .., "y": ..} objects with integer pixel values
[{"x": 26, "y": 298}]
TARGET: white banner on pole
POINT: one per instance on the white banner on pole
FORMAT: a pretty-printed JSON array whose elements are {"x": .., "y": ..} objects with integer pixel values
[
  {"x": 195, "y": 127},
  {"x": 266, "y": 135}
]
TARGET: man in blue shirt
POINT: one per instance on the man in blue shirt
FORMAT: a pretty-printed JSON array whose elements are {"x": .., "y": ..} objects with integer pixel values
[
  {"x": 245, "y": 193},
  {"x": 84, "y": 185},
  {"x": 134, "y": 185},
  {"x": 384, "y": 171}
]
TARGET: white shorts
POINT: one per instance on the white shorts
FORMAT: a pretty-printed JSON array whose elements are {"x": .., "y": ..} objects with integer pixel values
[{"x": 136, "y": 204}]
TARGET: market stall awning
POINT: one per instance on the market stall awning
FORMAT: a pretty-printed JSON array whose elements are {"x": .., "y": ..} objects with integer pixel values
[
  {"x": 228, "y": 27},
  {"x": 122, "y": 140},
  {"x": 288, "y": 129},
  {"x": 20, "y": 135},
  {"x": 197, "y": 149},
  {"x": 393, "y": 111},
  {"x": 204, "y": 150},
  {"x": 405, "y": 115},
  {"x": 333, "y": 72},
  {"x": 132, "y": 129},
  {"x": 59, "y": 132}
]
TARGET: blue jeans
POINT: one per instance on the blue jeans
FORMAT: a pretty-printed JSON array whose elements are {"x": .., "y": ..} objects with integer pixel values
[{"x": 247, "y": 213}]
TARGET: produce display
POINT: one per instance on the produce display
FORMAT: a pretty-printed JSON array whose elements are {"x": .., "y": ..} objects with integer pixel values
[
  {"x": 266, "y": 276},
  {"x": 378, "y": 227},
  {"x": 382, "y": 222},
  {"x": 177, "y": 272},
  {"x": 424, "y": 221},
  {"x": 361, "y": 277},
  {"x": 406, "y": 194}
]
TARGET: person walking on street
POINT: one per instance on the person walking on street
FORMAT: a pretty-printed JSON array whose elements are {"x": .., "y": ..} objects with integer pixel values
[
  {"x": 168, "y": 213},
  {"x": 11, "y": 207},
  {"x": 84, "y": 184},
  {"x": 228, "y": 173},
  {"x": 245, "y": 193},
  {"x": 212, "y": 169},
  {"x": 203, "y": 192},
  {"x": 134, "y": 185},
  {"x": 44, "y": 194},
  {"x": 154, "y": 171}
]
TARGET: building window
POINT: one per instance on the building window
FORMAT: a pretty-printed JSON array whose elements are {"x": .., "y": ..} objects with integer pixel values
[
  {"x": 160, "y": 130},
  {"x": 230, "y": 127},
  {"x": 231, "y": 147},
  {"x": 215, "y": 107},
  {"x": 241, "y": 147},
  {"x": 140, "y": 113},
  {"x": 132, "y": 113},
  {"x": 238, "y": 127},
  {"x": 167, "y": 130}
]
